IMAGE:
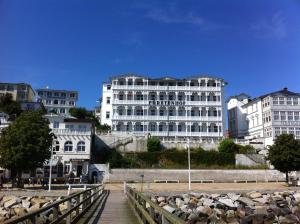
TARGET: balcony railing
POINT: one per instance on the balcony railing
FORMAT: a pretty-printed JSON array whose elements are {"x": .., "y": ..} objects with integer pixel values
[
  {"x": 172, "y": 133},
  {"x": 187, "y": 103},
  {"x": 60, "y": 131},
  {"x": 172, "y": 88},
  {"x": 165, "y": 118}
]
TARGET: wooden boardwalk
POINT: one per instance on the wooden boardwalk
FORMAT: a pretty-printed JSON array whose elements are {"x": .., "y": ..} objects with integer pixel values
[{"x": 116, "y": 210}]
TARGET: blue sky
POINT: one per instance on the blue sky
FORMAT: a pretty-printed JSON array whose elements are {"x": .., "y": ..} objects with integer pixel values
[{"x": 254, "y": 45}]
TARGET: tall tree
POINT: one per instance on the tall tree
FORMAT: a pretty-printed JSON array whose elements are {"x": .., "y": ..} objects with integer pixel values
[
  {"x": 284, "y": 154},
  {"x": 25, "y": 143},
  {"x": 228, "y": 146}
]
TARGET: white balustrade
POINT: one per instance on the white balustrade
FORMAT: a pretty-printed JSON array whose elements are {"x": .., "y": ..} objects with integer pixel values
[{"x": 60, "y": 131}]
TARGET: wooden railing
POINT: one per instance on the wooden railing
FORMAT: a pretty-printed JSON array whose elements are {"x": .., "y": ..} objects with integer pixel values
[
  {"x": 77, "y": 205},
  {"x": 148, "y": 211}
]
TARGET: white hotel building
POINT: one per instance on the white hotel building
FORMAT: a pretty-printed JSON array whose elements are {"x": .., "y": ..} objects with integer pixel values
[
  {"x": 172, "y": 109},
  {"x": 268, "y": 116}
]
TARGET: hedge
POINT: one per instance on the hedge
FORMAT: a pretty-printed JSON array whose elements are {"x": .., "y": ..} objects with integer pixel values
[{"x": 178, "y": 159}]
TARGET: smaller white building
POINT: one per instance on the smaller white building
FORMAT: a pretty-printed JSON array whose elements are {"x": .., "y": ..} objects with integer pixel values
[
  {"x": 237, "y": 122},
  {"x": 72, "y": 146},
  {"x": 106, "y": 104}
]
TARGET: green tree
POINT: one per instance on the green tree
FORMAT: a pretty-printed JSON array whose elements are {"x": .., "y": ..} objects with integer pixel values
[
  {"x": 25, "y": 143},
  {"x": 81, "y": 113},
  {"x": 153, "y": 144},
  {"x": 284, "y": 154},
  {"x": 10, "y": 107},
  {"x": 228, "y": 146}
]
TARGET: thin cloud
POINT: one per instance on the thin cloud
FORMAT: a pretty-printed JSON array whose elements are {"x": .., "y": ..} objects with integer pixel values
[
  {"x": 173, "y": 16},
  {"x": 273, "y": 27}
]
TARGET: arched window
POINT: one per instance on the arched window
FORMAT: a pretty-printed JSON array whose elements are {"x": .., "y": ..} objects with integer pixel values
[
  {"x": 68, "y": 146},
  {"x": 81, "y": 146},
  {"x": 56, "y": 146}
]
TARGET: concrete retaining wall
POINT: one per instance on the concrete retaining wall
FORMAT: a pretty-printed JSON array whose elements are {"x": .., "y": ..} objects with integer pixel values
[{"x": 120, "y": 175}]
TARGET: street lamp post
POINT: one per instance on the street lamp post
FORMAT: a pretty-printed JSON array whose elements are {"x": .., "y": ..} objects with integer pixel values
[
  {"x": 50, "y": 171},
  {"x": 189, "y": 162}
]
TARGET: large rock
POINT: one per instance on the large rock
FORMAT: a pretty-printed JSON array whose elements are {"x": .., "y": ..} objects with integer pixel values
[
  {"x": 161, "y": 199},
  {"x": 11, "y": 202},
  {"x": 39, "y": 201},
  {"x": 255, "y": 195},
  {"x": 204, "y": 210},
  {"x": 179, "y": 202},
  {"x": 33, "y": 208},
  {"x": 207, "y": 201},
  {"x": 25, "y": 203},
  {"x": 246, "y": 201},
  {"x": 169, "y": 208},
  {"x": 228, "y": 202},
  {"x": 261, "y": 210},
  {"x": 20, "y": 211}
]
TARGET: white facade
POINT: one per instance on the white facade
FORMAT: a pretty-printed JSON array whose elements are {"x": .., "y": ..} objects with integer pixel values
[
  {"x": 274, "y": 114},
  {"x": 72, "y": 146},
  {"x": 106, "y": 104},
  {"x": 58, "y": 101},
  {"x": 4, "y": 122},
  {"x": 237, "y": 122},
  {"x": 171, "y": 109}
]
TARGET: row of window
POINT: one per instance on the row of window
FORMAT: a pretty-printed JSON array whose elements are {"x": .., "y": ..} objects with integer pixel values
[
  {"x": 153, "y": 112},
  {"x": 57, "y": 110},
  {"x": 141, "y": 82},
  {"x": 181, "y": 97},
  {"x": 285, "y": 101},
  {"x": 56, "y": 124},
  {"x": 68, "y": 146},
  {"x": 57, "y": 102},
  {"x": 170, "y": 127},
  {"x": 286, "y": 115},
  {"x": 56, "y": 94},
  {"x": 286, "y": 130}
]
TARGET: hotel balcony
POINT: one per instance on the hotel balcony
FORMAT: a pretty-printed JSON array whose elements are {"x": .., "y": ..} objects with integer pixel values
[
  {"x": 166, "y": 118},
  {"x": 173, "y": 133},
  {"x": 61, "y": 131},
  {"x": 164, "y": 88},
  {"x": 146, "y": 102}
]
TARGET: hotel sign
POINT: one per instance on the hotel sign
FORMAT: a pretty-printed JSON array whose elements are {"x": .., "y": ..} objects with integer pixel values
[
  {"x": 290, "y": 123},
  {"x": 166, "y": 103}
]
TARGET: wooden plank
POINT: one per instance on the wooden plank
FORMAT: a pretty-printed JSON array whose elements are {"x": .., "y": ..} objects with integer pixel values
[{"x": 116, "y": 210}]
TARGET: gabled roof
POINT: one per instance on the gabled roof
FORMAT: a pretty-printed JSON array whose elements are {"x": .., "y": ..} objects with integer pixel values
[
  {"x": 169, "y": 78},
  {"x": 282, "y": 92},
  {"x": 238, "y": 96}
]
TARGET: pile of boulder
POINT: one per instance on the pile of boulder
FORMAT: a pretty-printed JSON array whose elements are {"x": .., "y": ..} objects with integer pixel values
[
  {"x": 250, "y": 207},
  {"x": 12, "y": 206}
]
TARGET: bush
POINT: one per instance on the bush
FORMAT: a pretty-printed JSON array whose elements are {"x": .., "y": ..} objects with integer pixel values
[
  {"x": 153, "y": 144},
  {"x": 247, "y": 149},
  {"x": 228, "y": 146}
]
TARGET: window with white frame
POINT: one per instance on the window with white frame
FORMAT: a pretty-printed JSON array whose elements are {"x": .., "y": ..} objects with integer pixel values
[
  {"x": 81, "y": 146},
  {"x": 69, "y": 126},
  {"x": 296, "y": 115},
  {"x": 277, "y": 131},
  {"x": 108, "y": 100},
  {"x": 68, "y": 146},
  {"x": 276, "y": 115},
  {"x": 297, "y": 132},
  {"x": 291, "y": 131},
  {"x": 281, "y": 100},
  {"x": 282, "y": 115},
  {"x": 289, "y": 100},
  {"x": 275, "y": 100},
  {"x": 290, "y": 115},
  {"x": 55, "y": 124},
  {"x": 107, "y": 114},
  {"x": 56, "y": 146},
  {"x": 284, "y": 130},
  {"x": 295, "y": 101}
]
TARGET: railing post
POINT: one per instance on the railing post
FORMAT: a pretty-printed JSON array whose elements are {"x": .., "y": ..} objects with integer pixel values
[
  {"x": 124, "y": 186},
  {"x": 55, "y": 213},
  {"x": 77, "y": 203},
  {"x": 32, "y": 219},
  {"x": 68, "y": 218}
]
